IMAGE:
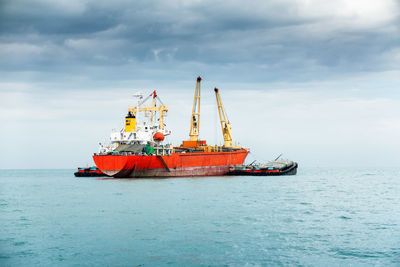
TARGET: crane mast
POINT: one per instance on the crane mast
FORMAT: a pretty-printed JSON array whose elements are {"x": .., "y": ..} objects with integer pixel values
[
  {"x": 195, "y": 119},
  {"x": 225, "y": 124}
]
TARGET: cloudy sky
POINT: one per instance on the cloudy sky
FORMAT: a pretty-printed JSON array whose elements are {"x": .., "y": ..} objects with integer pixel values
[{"x": 315, "y": 80}]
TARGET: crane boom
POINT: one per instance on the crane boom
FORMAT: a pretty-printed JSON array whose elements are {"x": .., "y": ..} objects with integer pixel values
[
  {"x": 195, "y": 119},
  {"x": 225, "y": 124}
]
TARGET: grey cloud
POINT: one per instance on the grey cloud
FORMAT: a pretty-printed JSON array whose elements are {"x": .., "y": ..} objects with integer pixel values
[
  {"x": 303, "y": 66},
  {"x": 49, "y": 19},
  {"x": 260, "y": 40}
]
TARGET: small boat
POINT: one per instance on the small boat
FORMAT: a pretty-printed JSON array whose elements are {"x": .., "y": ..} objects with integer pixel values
[
  {"x": 89, "y": 172},
  {"x": 276, "y": 167}
]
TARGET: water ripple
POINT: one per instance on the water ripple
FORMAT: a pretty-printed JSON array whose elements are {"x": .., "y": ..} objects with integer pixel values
[{"x": 319, "y": 217}]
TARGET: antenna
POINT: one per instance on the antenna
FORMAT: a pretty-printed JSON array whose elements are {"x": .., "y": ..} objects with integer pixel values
[{"x": 139, "y": 97}]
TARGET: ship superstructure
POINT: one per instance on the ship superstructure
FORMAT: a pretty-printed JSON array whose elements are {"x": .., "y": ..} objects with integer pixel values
[
  {"x": 140, "y": 132},
  {"x": 139, "y": 149}
]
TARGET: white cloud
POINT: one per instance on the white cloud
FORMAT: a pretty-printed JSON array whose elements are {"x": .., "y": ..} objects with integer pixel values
[
  {"x": 299, "y": 77},
  {"x": 20, "y": 49},
  {"x": 300, "y": 124},
  {"x": 93, "y": 45},
  {"x": 356, "y": 14},
  {"x": 327, "y": 127}
]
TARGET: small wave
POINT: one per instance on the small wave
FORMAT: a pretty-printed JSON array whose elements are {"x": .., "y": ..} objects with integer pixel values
[
  {"x": 250, "y": 219},
  {"x": 17, "y": 244},
  {"x": 345, "y": 253},
  {"x": 345, "y": 218}
]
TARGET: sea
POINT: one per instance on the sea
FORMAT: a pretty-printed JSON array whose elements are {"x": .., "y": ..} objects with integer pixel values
[{"x": 319, "y": 217}]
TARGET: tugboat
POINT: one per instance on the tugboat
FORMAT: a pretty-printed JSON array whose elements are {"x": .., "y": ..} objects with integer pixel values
[
  {"x": 89, "y": 172},
  {"x": 276, "y": 167}
]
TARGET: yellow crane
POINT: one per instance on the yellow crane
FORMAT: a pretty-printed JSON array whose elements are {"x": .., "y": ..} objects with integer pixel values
[
  {"x": 225, "y": 124},
  {"x": 195, "y": 119},
  {"x": 162, "y": 110}
]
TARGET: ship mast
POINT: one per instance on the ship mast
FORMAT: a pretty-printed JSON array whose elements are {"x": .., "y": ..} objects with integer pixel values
[
  {"x": 225, "y": 124},
  {"x": 153, "y": 106},
  {"x": 139, "y": 97},
  {"x": 195, "y": 119}
]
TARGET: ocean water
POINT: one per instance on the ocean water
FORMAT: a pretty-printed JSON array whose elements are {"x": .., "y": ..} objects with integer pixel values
[{"x": 317, "y": 217}]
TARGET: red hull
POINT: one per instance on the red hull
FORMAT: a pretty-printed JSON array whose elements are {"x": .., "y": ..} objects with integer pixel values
[{"x": 175, "y": 165}]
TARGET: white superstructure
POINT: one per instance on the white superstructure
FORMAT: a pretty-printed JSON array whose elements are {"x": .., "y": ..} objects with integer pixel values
[{"x": 140, "y": 129}]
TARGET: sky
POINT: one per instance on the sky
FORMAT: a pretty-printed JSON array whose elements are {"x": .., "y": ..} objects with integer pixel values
[{"x": 315, "y": 80}]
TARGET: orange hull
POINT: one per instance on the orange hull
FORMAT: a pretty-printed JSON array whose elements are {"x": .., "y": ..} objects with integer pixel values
[{"x": 174, "y": 165}]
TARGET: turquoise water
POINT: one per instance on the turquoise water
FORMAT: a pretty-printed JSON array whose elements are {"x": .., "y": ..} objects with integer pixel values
[{"x": 320, "y": 216}]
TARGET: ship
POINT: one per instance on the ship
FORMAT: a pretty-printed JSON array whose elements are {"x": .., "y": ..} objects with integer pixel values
[
  {"x": 272, "y": 168},
  {"x": 88, "y": 172},
  {"x": 139, "y": 149}
]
